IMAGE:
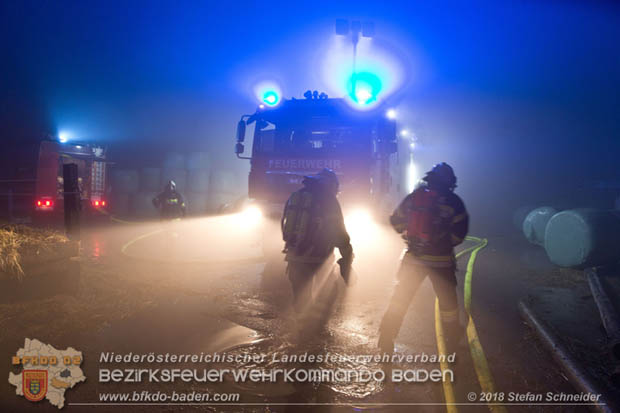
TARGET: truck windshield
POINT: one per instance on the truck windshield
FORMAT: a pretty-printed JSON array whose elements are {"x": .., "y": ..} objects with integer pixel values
[{"x": 313, "y": 141}]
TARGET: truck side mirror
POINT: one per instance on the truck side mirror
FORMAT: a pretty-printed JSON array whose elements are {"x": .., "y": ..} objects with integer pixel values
[
  {"x": 239, "y": 148},
  {"x": 241, "y": 132}
]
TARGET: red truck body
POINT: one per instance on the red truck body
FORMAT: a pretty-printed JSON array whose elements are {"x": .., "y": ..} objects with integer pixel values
[{"x": 31, "y": 180}]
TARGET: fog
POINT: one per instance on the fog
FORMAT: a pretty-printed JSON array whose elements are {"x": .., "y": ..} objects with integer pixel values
[{"x": 520, "y": 98}]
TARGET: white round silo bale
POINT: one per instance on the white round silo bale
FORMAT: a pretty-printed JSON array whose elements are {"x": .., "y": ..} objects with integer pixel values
[
  {"x": 119, "y": 203},
  {"x": 581, "y": 238},
  {"x": 535, "y": 224},
  {"x": 198, "y": 160},
  {"x": 174, "y": 160},
  {"x": 150, "y": 179},
  {"x": 198, "y": 180},
  {"x": 197, "y": 203},
  {"x": 125, "y": 181},
  {"x": 142, "y": 204},
  {"x": 179, "y": 176}
]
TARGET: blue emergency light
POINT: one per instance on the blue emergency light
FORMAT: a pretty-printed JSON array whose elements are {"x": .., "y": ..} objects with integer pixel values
[
  {"x": 271, "y": 98},
  {"x": 63, "y": 136},
  {"x": 364, "y": 88}
]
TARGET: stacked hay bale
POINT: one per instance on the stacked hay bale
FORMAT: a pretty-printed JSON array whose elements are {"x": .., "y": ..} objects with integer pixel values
[
  {"x": 225, "y": 189},
  {"x": 198, "y": 165},
  {"x": 150, "y": 179},
  {"x": 174, "y": 169},
  {"x": 125, "y": 183},
  {"x": 142, "y": 201},
  {"x": 204, "y": 189}
]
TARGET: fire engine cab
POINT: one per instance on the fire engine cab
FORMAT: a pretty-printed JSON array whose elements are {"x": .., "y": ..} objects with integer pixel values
[{"x": 299, "y": 137}]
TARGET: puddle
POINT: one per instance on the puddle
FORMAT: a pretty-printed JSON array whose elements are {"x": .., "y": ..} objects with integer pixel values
[
  {"x": 178, "y": 327},
  {"x": 273, "y": 359}
]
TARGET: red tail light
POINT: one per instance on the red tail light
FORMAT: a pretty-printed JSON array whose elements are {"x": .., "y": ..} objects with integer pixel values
[
  {"x": 44, "y": 203},
  {"x": 102, "y": 203},
  {"x": 98, "y": 203}
]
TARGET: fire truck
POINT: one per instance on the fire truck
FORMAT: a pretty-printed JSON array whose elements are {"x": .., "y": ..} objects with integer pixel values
[
  {"x": 299, "y": 137},
  {"x": 31, "y": 181}
]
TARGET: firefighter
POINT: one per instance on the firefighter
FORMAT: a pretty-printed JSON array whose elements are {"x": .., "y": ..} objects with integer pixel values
[
  {"x": 312, "y": 226},
  {"x": 170, "y": 203},
  {"x": 433, "y": 220}
]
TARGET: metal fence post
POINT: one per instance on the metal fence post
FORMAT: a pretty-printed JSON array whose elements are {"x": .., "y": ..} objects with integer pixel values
[{"x": 71, "y": 200}]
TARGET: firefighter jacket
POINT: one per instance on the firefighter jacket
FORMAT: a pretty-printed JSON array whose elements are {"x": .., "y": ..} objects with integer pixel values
[
  {"x": 315, "y": 219},
  {"x": 452, "y": 227},
  {"x": 170, "y": 204}
]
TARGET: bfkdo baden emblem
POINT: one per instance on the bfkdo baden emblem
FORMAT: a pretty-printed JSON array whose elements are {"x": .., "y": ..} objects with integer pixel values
[{"x": 34, "y": 384}]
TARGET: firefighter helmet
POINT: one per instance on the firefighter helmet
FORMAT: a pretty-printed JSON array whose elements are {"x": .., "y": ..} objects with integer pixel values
[
  {"x": 329, "y": 178},
  {"x": 326, "y": 178},
  {"x": 442, "y": 175},
  {"x": 171, "y": 186}
]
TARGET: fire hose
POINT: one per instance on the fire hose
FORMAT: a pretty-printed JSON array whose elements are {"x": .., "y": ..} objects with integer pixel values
[{"x": 481, "y": 365}]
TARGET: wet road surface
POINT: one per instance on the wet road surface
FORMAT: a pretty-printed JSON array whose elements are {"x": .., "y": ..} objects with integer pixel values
[{"x": 207, "y": 288}]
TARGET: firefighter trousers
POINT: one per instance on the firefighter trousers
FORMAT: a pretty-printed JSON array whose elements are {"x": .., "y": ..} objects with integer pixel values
[
  {"x": 304, "y": 278},
  {"x": 410, "y": 276}
]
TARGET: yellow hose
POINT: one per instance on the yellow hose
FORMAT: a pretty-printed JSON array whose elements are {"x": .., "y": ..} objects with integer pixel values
[
  {"x": 485, "y": 378},
  {"x": 448, "y": 390}
]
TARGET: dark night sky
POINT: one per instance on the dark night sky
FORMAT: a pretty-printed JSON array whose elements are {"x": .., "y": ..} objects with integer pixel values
[{"x": 526, "y": 90}]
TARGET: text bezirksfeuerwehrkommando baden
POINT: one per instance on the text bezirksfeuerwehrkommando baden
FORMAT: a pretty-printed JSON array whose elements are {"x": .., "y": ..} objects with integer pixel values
[
  {"x": 290, "y": 375},
  {"x": 306, "y": 368}
]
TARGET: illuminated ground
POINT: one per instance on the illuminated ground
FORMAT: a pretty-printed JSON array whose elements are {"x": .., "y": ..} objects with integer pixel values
[{"x": 202, "y": 285}]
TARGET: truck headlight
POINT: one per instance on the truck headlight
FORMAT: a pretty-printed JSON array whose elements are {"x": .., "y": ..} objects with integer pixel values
[
  {"x": 360, "y": 224},
  {"x": 252, "y": 215}
]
